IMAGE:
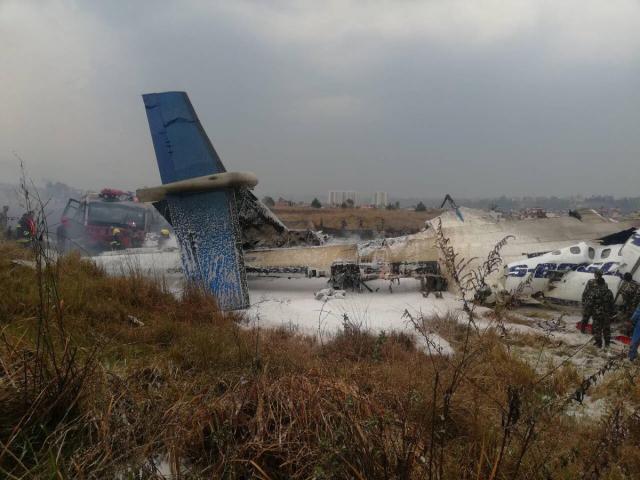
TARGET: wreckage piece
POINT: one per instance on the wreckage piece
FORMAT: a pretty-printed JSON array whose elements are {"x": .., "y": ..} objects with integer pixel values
[
  {"x": 561, "y": 275},
  {"x": 261, "y": 228},
  {"x": 473, "y": 238},
  {"x": 345, "y": 275},
  {"x": 199, "y": 198},
  {"x": 449, "y": 199}
]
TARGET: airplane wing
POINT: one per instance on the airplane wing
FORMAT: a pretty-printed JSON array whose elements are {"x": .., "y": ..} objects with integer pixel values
[{"x": 205, "y": 222}]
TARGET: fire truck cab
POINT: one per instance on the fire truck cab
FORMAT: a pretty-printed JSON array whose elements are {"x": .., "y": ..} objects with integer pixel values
[{"x": 111, "y": 219}]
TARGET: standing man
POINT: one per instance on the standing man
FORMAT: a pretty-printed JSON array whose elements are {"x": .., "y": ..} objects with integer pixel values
[
  {"x": 27, "y": 227},
  {"x": 4, "y": 218},
  {"x": 602, "y": 310},
  {"x": 586, "y": 300},
  {"x": 116, "y": 239},
  {"x": 164, "y": 238},
  {"x": 635, "y": 339},
  {"x": 630, "y": 292}
]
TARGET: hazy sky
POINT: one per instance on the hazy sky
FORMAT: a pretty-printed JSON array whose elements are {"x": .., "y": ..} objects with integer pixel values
[{"x": 418, "y": 98}]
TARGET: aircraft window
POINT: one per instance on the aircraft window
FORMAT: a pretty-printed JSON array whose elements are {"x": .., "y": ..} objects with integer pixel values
[
  {"x": 555, "y": 252},
  {"x": 605, "y": 253},
  {"x": 592, "y": 252},
  {"x": 575, "y": 250}
]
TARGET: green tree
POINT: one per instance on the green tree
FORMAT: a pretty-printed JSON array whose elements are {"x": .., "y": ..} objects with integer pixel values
[
  {"x": 316, "y": 203},
  {"x": 421, "y": 207}
]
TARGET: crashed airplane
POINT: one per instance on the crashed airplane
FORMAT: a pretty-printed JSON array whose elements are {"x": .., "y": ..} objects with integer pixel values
[
  {"x": 225, "y": 232},
  {"x": 473, "y": 233},
  {"x": 561, "y": 275}
]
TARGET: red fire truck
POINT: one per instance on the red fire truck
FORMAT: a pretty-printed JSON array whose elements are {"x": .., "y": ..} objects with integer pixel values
[{"x": 111, "y": 219}]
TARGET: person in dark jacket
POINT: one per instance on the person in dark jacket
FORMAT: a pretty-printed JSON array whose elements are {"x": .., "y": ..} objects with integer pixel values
[
  {"x": 586, "y": 300},
  {"x": 26, "y": 230},
  {"x": 630, "y": 293},
  {"x": 601, "y": 304},
  {"x": 635, "y": 338}
]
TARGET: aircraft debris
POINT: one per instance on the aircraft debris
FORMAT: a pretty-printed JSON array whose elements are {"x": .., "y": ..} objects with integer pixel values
[
  {"x": 561, "y": 275},
  {"x": 327, "y": 294},
  {"x": 552, "y": 325},
  {"x": 261, "y": 228},
  {"x": 135, "y": 321},
  {"x": 24, "y": 263},
  {"x": 449, "y": 200},
  {"x": 347, "y": 275}
]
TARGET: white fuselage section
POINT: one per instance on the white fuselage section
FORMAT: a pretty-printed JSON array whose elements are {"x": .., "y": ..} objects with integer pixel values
[{"x": 562, "y": 274}]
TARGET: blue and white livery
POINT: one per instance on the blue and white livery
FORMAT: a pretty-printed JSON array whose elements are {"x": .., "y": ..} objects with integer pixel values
[{"x": 562, "y": 274}]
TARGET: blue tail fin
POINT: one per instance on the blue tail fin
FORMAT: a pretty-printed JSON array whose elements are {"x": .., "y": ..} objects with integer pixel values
[{"x": 206, "y": 223}]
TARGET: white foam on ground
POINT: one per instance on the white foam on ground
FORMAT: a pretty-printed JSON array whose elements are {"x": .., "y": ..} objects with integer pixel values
[
  {"x": 279, "y": 302},
  {"x": 151, "y": 262}
]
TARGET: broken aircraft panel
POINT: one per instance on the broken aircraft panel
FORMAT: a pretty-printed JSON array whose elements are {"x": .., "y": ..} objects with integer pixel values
[{"x": 261, "y": 228}]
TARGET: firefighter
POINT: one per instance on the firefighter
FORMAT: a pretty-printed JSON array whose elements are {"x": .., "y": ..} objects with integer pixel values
[
  {"x": 601, "y": 305},
  {"x": 26, "y": 230},
  {"x": 586, "y": 296},
  {"x": 164, "y": 237},
  {"x": 116, "y": 238}
]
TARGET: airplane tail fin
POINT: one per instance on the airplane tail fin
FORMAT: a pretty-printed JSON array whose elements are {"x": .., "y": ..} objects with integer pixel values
[
  {"x": 205, "y": 222},
  {"x": 182, "y": 147}
]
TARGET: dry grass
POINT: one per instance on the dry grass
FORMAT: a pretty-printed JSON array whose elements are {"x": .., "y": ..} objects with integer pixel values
[
  {"x": 394, "y": 221},
  {"x": 219, "y": 401}
]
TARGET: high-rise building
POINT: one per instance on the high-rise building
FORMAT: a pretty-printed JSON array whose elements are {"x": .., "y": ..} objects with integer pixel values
[
  {"x": 337, "y": 198},
  {"x": 380, "y": 199}
]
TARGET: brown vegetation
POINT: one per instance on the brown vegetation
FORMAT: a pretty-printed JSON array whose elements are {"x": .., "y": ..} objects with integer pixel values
[{"x": 215, "y": 400}]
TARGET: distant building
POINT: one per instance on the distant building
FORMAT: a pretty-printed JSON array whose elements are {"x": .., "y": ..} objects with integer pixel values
[
  {"x": 380, "y": 199},
  {"x": 337, "y": 198},
  {"x": 377, "y": 199}
]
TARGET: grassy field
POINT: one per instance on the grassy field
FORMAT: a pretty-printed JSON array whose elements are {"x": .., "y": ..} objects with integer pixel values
[
  {"x": 104, "y": 377},
  {"x": 399, "y": 221}
]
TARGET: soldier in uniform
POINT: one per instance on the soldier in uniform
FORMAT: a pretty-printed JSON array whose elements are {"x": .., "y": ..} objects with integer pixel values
[
  {"x": 601, "y": 304},
  {"x": 630, "y": 292},
  {"x": 586, "y": 300},
  {"x": 635, "y": 338}
]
